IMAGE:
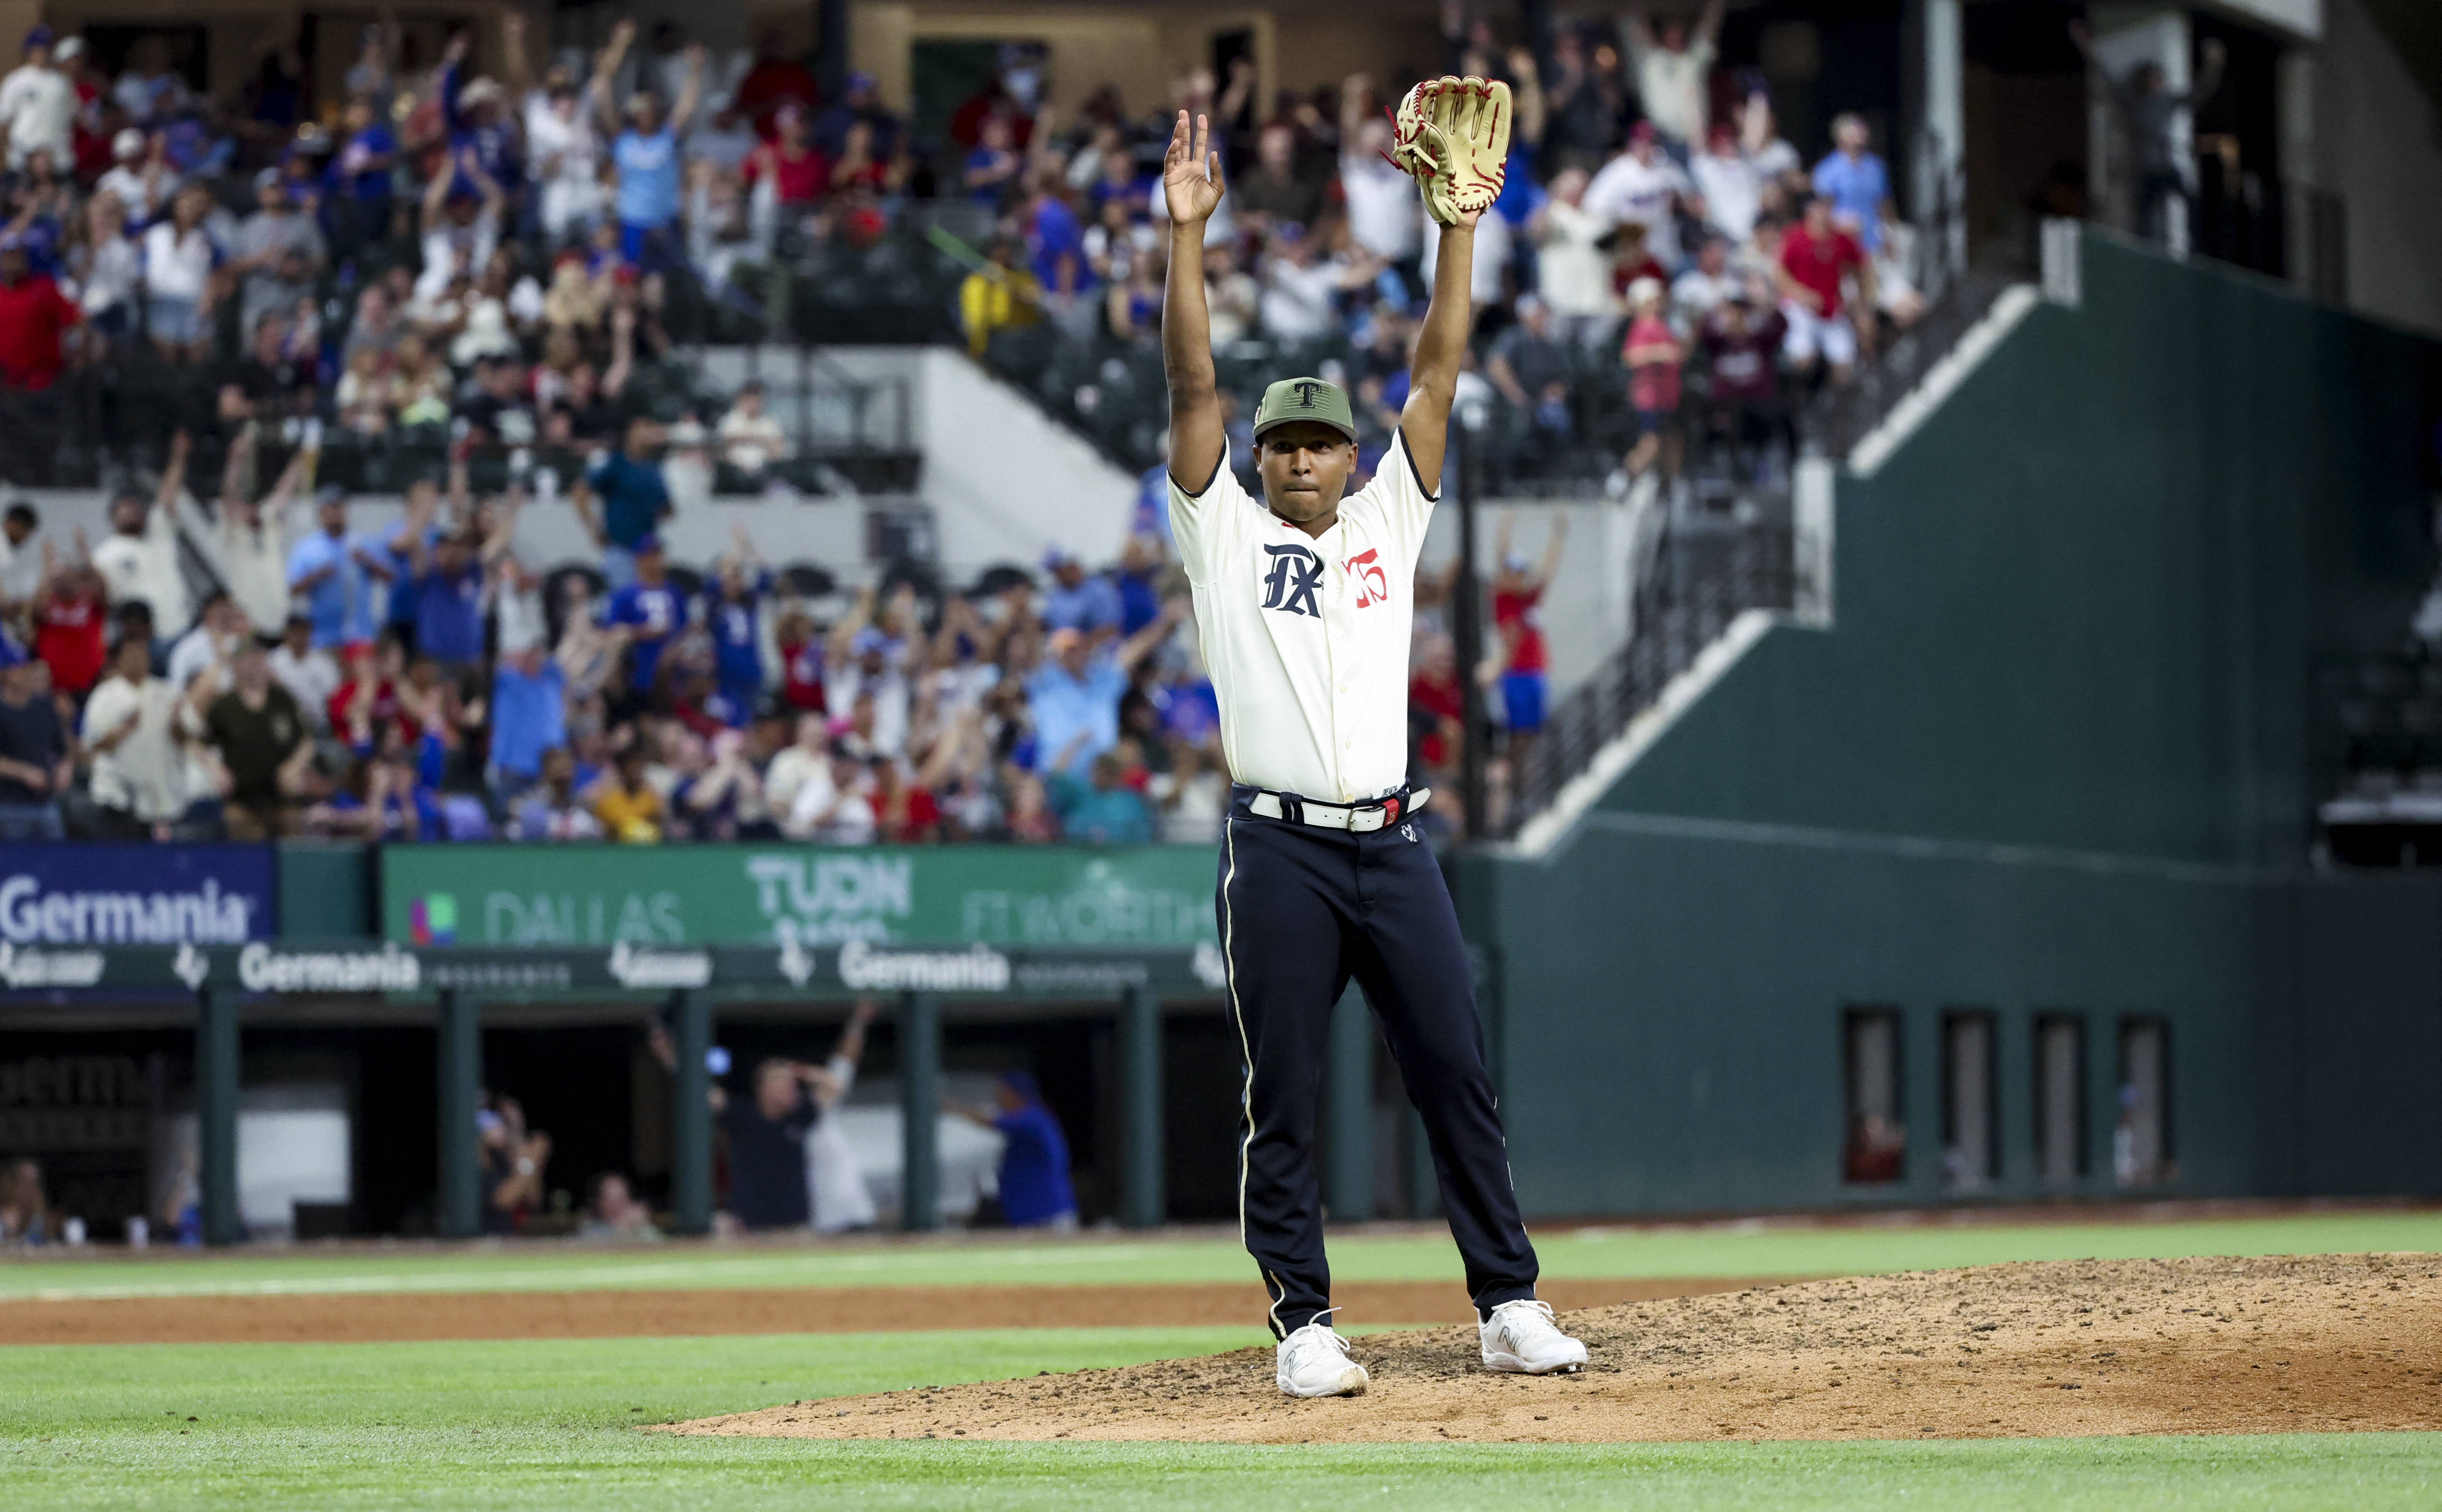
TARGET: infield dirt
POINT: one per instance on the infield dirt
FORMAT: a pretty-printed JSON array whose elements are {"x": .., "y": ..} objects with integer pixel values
[
  {"x": 2315, "y": 1343},
  {"x": 310, "y": 1317}
]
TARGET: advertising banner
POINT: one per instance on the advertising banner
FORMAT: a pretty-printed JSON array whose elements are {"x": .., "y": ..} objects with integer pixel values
[
  {"x": 1149, "y": 897},
  {"x": 86, "y": 894},
  {"x": 362, "y": 968}
]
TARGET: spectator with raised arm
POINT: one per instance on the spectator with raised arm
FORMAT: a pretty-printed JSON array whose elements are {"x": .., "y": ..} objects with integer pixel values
[
  {"x": 38, "y": 105},
  {"x": 139, "y": 560},
  {"x": 335, "y": 572},
  {"x": 644, "y": 154},
  {"x": 1035, "y": 1192},
  {"x": 1075, "y": 694},
  {"x": 2148, "y": 109},
  {"x": 513, "y": 1159},
  {"x": 1673, "y": 65},
  {"x": 842, "y": 1202},
  {"x": 766, "y": 1132},
  {"x": 1518, "y": 590}
]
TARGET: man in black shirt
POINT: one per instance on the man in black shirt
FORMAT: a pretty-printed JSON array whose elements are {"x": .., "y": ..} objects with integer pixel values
[
  {"x": 498, "y": 413},
  {"x": 260, "y": 734},
  {"x": 767, "y": 1135},
  {"x": 33, "y": 750},
  {"x": 766, "y": 1144},
  {"x": 270, "y": 383}
]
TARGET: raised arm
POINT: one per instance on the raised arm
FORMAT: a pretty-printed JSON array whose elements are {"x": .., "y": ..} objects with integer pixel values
[
  {"x": 1191, "y": 187},
  {"x": 237, "y": 472},
  {"x": 2208, "y": 79},
  {"x": 1433, "y": 382},
  {"x": 1708, "y": 23},
  {"x": 296, "y": 480},
  {"x": 1638, "y": 29},
  {"x": 690, "y": 92},
  {"x": 451, "y": 77},
  {"x": 1141, "y": 645},
  {"x": 516, "y": 71},
  {"x": 174, "y": 476},
  {"x": 606, "y": 68},
  {"x": 1526, "y": 95},
  {"x": 1554, "y": 549},
  {"x": 1354, "y": 91}
]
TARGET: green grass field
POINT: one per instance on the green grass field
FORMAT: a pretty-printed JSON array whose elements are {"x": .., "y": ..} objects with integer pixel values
[
  {"x": 556, "y": 1423},
  {"x": 1095, "y": 1259}
]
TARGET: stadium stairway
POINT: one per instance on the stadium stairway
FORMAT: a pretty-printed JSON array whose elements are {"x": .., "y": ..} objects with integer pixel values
[{"x": 1708, "y": 571}]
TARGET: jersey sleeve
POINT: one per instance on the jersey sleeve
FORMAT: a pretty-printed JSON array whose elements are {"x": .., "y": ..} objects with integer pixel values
[
  {"x": 1199, "y": 520},
  {"x": 1396, "y": 499}
]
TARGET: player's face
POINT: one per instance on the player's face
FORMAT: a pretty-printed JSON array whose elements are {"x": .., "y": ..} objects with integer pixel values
[{"x": 1305, "y": 469}]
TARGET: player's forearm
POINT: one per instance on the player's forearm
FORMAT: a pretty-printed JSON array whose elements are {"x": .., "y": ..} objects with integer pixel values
[
  {"x": 1443, "y": 338},
  {"x": 1186, "y": 320}
]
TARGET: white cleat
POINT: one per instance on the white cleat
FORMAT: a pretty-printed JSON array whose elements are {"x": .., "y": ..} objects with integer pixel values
[
  {"x": 1521, "y": 1336},
  {"x": 1314, "y": 1362}
]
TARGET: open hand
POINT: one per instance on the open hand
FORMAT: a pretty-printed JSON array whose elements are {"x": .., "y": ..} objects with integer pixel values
[{"x": 1191, "y": 174}]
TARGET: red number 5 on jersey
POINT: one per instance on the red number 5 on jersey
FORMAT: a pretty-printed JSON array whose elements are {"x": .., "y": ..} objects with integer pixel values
[{"x": 1372, "y": 587}]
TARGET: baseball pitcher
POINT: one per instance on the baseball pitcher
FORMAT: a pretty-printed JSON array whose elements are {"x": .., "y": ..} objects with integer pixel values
[{"x": 1305, "y": 602}]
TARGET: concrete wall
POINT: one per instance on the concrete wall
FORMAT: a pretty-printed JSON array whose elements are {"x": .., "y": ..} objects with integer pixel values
[
  {"x": 2051, "y": 754},
  {"x": 1003, "y": 478},
  {"x": 2378, "y": 144}
]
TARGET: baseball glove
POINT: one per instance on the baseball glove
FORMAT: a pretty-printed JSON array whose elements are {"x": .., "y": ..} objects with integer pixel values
[{"x": 1453, "y": 135}]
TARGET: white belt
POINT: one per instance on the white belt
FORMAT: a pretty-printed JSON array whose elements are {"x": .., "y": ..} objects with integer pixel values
[{"x": 1362, "y": 818}]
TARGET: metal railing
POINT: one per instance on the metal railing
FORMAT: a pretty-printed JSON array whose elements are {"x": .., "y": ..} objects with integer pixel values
[
  {"x": 1708, "y": 569},
  {"x": 1841, "y": 417}
]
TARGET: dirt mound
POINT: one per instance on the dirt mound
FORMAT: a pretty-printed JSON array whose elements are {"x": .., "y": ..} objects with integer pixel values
[
  {"x": 2078, "y": 1347},
  {"x": 390, "y": 1315}
]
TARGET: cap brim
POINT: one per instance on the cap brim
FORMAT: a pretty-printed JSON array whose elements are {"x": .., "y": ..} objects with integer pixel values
[{"x": 1269, "y": 426}]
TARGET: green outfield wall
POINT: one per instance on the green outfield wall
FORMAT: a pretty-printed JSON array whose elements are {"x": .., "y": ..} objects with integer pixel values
[{"x": 2050, "y": 759}]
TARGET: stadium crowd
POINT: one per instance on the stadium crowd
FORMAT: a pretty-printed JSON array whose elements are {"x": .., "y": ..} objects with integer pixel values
[{"x": 487, "y": 263}]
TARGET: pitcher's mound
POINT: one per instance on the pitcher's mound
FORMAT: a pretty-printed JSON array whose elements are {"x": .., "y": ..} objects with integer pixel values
[{"x": 2078, "y": 1347}]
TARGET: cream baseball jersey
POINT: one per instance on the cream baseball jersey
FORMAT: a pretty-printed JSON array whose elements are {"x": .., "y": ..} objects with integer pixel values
[{"x": 1306, "y": 636}]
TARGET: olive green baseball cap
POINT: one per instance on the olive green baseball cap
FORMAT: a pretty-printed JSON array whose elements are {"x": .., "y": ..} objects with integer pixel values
[{"x": 1294, "y": 399}]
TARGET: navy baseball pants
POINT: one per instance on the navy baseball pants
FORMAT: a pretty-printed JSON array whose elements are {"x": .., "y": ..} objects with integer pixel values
[{"x": 1303, "y": 910}]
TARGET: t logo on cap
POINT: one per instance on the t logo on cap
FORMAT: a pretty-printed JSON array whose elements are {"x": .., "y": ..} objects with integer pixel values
[{"x": 1306, "y": 389}]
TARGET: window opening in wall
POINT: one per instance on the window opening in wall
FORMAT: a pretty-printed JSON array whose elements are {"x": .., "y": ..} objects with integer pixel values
[
  {"x": 1969, "y": 1142},
  {"x": 1875, "y": 1147},
  {"x": 2141, "y": 1137},
  {"x": 2060, "y": 1098}
]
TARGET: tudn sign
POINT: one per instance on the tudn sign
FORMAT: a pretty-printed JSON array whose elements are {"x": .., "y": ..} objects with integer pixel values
[{"x": 977, "y": 969}]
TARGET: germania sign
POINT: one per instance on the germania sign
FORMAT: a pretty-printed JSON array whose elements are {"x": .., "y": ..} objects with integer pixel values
[
  {"x": 136, "y": 895},
  {"x": 878, "y": 969},
  {"x": 262, "y": 969}
]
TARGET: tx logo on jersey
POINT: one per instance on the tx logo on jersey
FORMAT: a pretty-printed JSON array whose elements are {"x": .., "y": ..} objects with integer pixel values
[
  {"x": 1295, "y": 578},
  {"x": 1371, "y": 586}
]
